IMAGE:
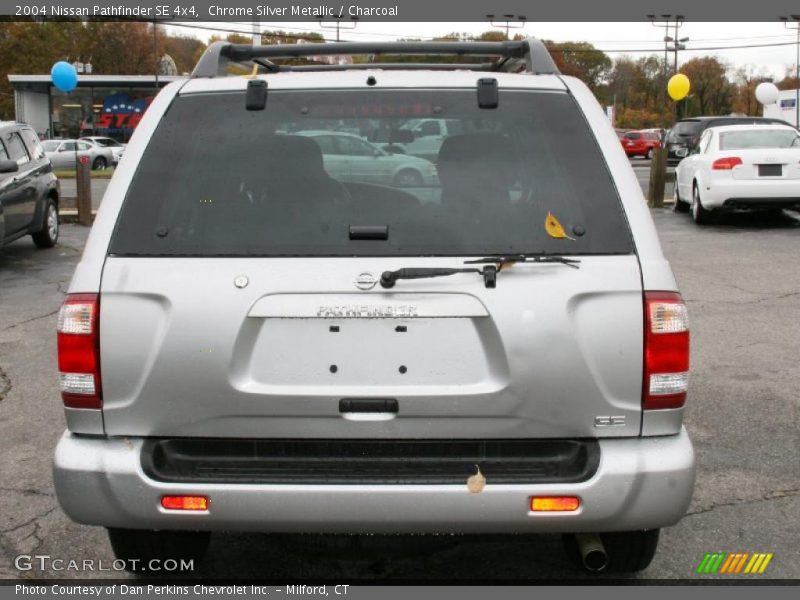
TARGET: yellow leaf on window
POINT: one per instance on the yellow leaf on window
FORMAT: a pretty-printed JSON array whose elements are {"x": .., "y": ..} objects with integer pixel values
[{"x": 554, "y": 229}]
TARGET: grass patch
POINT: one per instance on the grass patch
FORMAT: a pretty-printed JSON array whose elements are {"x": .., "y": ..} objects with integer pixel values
[{"x": 70, "y": 174}]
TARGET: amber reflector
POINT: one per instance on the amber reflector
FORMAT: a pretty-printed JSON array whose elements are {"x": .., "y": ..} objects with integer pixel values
[
  {"x": 554, "y": 503},
  {"x": 185, "y": 502}
]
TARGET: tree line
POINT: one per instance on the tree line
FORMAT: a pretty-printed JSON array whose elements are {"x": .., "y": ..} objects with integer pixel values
[{"x": 635, "y": 86}]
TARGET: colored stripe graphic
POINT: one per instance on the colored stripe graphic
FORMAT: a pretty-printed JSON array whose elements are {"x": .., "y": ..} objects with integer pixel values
[
  {"x": 764, "y": 564},
  {"x": 734, "y": 563},
  {"x": 727, "y": 564},
  {"x": 742, "y": 558},
  {"x": 711, "y": 563},
  {"x": 703, "y": 563},
  {"x": 754, "y": 564}
]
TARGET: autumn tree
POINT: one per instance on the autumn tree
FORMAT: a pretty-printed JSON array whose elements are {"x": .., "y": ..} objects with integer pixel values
[
  {"x": 747, "y": 79},
  {"x": 789, "y": 81},
  {"x": 184, "y": 50},
  {"x": 582, "y": 60},
  {"x": 711, "y": 93},
  {"x": 127, "y": 47}
]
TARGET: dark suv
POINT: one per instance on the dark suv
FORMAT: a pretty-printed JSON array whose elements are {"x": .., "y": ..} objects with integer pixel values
[
  {"x": 685, "y": 134},
  {"x": 29, "y": 189}
]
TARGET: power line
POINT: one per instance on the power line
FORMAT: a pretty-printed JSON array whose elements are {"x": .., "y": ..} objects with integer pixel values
[
  {"x": 429, "y": 38},
  {"x": 567, "y": 49}
]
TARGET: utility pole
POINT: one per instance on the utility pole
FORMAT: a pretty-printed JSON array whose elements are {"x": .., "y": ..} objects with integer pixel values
[
  {"x": 338, "y": 24},
  {"x": 796, "y": 19},
  {"x": 155, "y": 49},
  {"x": 507, "y": 21},
  {"x": 658, "y": 166},
  {"x": 666, "y": 22},
  {"x": 677, "y": 44}
]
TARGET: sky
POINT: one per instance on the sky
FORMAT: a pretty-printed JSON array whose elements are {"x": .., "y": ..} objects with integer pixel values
[{"x": 605, "y": 36}]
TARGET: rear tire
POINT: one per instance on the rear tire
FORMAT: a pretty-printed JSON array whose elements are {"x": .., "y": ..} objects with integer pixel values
[
  {"x": 99, "y": 163},
  {"x": 47, "y": 236},
  {"x": 700, "y": 215},
  {"x": 649, "y": 155},
  {"x": 137, "y": 547},
  {"x": 628, "y": 551},
  {"x": 678, "y": 205}
]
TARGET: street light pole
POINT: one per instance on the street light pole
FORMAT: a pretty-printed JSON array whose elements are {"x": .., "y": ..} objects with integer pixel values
[
  {"x": 658, "y": 166},
  {"x": 338, "y": 24},
  {"x": 155, "y": 49},
  {"x": 796, "y": 19},
  {"x": 508, "y": 20},
  {"x": 666, "y": 24}
]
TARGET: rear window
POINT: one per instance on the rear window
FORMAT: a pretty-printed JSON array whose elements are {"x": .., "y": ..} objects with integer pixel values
[
  {"x": 34, "y": 146},
  {"x": 763, "y": 138},
  {"x": 16, "y": 148},
  {"x": 685, "y": 129},
  {"x": 300, "y": 177},
  {"x": 633, "y": 135}
]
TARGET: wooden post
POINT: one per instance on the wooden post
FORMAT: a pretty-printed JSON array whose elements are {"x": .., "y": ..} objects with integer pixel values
[
  {"x": 84, "y": 184},
  {"x": 658, "y": 172}
]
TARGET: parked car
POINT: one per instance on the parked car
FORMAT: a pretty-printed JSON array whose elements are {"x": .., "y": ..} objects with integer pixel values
[
  {"x": 428, "y": 135},
  {"x": 740, "y": 167},
  {"x": 348, "y": 157},
  {"x": 63, "y": 153},
  {"x": 29, "y": 190},
  {"x": 291, "y": 349},
  {"x": 117, "y": 148},
  {"x": 685, "y": 134},
  {"x": 641, "y": 143}
]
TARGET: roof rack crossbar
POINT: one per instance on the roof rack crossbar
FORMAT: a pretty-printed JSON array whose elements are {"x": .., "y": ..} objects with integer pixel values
[
  {"x": 529, "y": 55},
  {"x": 485, "y": 66}
]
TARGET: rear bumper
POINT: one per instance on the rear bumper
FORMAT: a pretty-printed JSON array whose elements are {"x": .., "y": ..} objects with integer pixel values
[
  {"x": 751, "y": 193},
  {"x": 640, "y": 483}
]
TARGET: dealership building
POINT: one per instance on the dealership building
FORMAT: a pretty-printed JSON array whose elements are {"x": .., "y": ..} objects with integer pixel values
[{"x": 107, "y": 105}]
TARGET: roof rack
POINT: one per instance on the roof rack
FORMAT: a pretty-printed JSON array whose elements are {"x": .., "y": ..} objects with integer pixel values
[{"x": 528, "y": 56}]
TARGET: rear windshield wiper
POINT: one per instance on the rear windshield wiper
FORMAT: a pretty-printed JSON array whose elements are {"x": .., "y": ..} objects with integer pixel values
[
  {"x": 389, "y": 278},
  {"x": 502, "y": 260},
  {"x": 494, "y": 265}
]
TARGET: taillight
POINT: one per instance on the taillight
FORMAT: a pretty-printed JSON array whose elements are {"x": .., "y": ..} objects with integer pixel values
[
  {"x": 666, "y": 351},
  {"x": 79, "y": 351},
  {"x": 726, "y": 164}
]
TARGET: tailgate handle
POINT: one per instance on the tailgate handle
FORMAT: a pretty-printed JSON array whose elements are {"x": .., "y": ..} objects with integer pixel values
[{"x": 368, "y": 405}]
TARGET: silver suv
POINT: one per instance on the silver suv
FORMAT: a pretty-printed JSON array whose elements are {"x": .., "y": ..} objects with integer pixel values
[{"x": 251, "y": 342}]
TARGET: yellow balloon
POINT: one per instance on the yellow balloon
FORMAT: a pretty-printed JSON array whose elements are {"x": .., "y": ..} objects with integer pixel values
[{"x": 678, "y": 86}]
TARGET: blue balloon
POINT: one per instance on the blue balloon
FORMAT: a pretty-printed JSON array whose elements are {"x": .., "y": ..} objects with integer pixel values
[{"x": 64, "y": 76}]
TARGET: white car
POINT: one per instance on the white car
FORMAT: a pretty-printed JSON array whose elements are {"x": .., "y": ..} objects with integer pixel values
[
  {"x": 63, "y": 153},
  {"x": 117, "y": 148},
  {"x": 348, "y": 157},
  {"x": 740, "y": 167}
]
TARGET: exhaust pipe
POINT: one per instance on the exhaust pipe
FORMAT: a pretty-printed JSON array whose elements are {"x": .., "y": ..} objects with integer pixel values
[{"x": 593, "y": 553}]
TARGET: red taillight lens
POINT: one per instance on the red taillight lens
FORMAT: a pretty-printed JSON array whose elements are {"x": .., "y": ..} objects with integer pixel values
[
  {"x": 79, "y": 351},
  {"x": 726, "y": 164},
  {"x": 666, "y": 351}
]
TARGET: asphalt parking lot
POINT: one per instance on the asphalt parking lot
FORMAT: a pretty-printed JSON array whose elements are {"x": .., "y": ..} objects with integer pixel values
[{"x": 739, "y": 278}]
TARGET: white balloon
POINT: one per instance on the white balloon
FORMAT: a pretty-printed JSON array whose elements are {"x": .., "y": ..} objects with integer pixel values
[{"x": 766, "y": 93}]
